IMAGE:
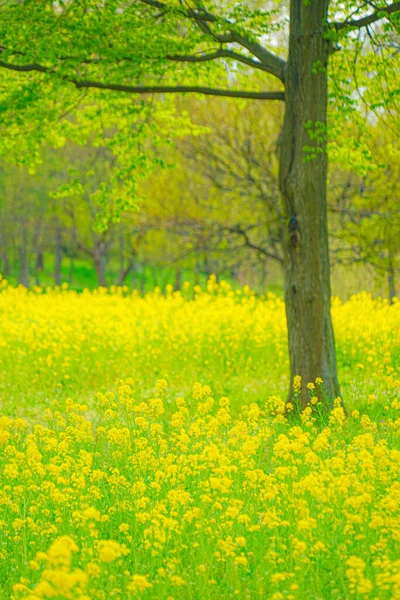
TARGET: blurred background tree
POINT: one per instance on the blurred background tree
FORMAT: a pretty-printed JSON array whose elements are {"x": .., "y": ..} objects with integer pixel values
[{"x": 210, "y": 207}]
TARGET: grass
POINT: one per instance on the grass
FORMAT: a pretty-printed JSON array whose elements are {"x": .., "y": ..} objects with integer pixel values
[{"x": 82, "y": 275}]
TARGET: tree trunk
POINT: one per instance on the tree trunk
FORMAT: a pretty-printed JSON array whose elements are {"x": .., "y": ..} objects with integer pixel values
[
  {"x": 143, "y": 280},
  {"x": 197, "y": 272},
  {"x": 6, "y": 267},
  {"x": 391, "y": 281},
  {"x": 135, "y": 275},
  {"x": 58, "y": 257},
  {"x": 38, "y": 250},
  {"x": 39, "y": 266},
  {"x": 178, "y": 279},
  {"x": 23, "y": 258},
  {"x": 303, "y": 182},
  {"x": 99, "y": 264},
  {"x": 39, "y": 260},
  {"x": 72, "y": 250},
  {"x": 124, "y": 271},
  {"x": 263, "y": 277}
]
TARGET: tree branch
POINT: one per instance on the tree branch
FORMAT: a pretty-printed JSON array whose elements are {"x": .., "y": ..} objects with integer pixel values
[
  {"x": 179, "y": 89},
  {"x": 223, "y": 53},
  {"x": 190, "y": 58},
  {"x": 249, "y": 244},
  {"x": 368, "y": 19},
  {"x": 149, "y": 89},
  {"x": 273, "y": 64},
  {"x": 24, "y": 68}
]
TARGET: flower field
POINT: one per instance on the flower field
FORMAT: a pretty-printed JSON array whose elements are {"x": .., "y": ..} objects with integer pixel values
[{"x": 145, "y": 452}]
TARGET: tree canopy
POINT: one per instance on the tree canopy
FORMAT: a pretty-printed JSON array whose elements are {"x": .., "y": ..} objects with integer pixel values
[{"x": 54, "y": 53}]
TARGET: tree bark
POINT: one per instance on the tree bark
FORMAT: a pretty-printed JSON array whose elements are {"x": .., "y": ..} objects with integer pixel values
[{"x": 303, "y": 182}]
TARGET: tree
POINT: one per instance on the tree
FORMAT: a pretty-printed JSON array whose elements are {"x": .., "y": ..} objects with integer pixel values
[
  {"x": 50, "y": 48},
  {"x": 221, "y": 202},
  {"x": 240, "y": 169},
  {"x": 369, "y": 213}
]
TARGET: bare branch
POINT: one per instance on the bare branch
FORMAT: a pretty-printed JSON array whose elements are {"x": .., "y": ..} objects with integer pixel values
[
  {"x": 249, "y": 244},
  {"x": 369, "y": 19}
]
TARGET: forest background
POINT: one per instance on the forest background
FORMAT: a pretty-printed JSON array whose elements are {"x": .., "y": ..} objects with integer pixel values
[{"x": 205, "y": 198}]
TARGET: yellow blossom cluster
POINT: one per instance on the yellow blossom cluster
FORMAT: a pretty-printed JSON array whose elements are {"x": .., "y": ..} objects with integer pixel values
[
  {"x": 59, "y": 343},
  {"x": 128, "y": 502},
  {"x": 147, "y": 450}
]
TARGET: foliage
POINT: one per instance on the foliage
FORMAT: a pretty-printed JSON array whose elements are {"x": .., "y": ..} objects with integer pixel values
[{"x": 370, "y": 223}]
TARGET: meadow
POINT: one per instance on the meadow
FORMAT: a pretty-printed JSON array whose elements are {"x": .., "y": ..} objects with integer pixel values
[{"x": 146, "y": 451}]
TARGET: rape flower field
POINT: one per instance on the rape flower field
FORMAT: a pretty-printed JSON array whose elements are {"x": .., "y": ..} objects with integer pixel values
[{"x": 145, "y": 452}]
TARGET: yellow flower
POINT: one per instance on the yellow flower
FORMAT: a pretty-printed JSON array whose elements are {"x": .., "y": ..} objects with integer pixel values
[
  {"x": 139, "y": 583},
  {"x": 109, "y": 550},
  {"x": 161, "y": 386},
  {"x": 60, "y": 551},
  {"x": 19, "y": 587},
  {"x": 297, "y": 383},
  {"x": 91, "y": 514},
  {"x": 177, "y": 580},
  {"x": 241, "y": 560}
]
